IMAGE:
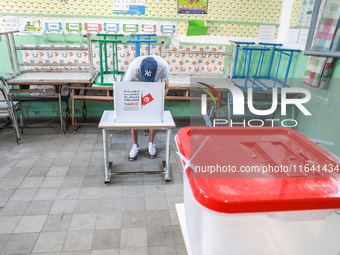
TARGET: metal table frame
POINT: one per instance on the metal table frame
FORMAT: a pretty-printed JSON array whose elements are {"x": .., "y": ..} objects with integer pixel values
[{"x": 128, "y": 126}]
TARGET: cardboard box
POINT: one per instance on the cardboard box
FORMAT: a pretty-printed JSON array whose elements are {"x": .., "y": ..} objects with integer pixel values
[{"x": 136, "y": 102}]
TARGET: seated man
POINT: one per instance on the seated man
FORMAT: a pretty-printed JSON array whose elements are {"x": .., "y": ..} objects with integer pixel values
[{"x": 147, "y": 69}]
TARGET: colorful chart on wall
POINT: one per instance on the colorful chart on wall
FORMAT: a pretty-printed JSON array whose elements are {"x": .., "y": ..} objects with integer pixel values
[
  {"x": 134, "y": 7},
  {"x": 306, "y": 13},
  {"x": 130, "y": 27},
  {"x": 111, "y": 27},
  {"x": 168, "y": 29},
  {"x": 93, "y": 26},
  {"x": 32, "y": 25},
  {"x": 53, "y": 26},
  {"x": 73, "y": 26},
  {"x": 148, "y": 27},
  {"x": 192, "y": 6}
]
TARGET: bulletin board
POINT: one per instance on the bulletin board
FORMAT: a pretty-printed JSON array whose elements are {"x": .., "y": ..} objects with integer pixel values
[{"x": 227, "y": 17}]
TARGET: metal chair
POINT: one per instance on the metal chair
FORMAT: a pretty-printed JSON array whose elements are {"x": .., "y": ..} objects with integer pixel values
[{"x": 8, "y": 108}]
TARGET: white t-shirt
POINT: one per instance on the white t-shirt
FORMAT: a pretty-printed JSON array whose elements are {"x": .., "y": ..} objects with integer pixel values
[{"x": 133, "y": 73}]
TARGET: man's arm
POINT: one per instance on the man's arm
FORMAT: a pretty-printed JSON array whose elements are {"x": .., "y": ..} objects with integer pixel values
[{"x": 166, "y": 87}]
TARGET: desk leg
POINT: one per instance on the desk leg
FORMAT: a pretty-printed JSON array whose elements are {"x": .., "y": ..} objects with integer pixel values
[
  {"x": 167, "y": 159},
  {"x": 106, "y": 156},
  {"x": 229, "y": 110},
  {"x": 61, "y": 112}
]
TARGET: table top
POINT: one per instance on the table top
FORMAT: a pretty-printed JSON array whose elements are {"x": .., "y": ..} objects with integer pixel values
[
  {"x": 51, "y": 78},
  {"x": 107, "y": 122}
]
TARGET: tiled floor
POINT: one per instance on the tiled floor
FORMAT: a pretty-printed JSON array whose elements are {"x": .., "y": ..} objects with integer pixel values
[{"x": 53, "y": 200}]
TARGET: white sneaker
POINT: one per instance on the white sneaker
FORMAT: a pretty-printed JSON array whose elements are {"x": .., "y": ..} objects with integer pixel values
[
  {"x": 133, "y": 152},
  {"x": 152, "y": 150}
]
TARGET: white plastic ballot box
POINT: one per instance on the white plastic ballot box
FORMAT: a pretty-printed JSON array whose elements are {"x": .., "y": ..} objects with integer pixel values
[{"x": 139, "y": 102}]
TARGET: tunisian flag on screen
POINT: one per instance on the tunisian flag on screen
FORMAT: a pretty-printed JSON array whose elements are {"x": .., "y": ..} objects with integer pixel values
[{"x": 147, "y": 99}]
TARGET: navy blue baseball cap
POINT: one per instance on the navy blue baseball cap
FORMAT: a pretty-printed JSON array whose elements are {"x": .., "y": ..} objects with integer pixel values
[{"x": 148, "y": 69}]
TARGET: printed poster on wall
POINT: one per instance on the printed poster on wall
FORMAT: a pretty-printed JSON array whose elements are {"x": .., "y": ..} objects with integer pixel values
[
  {"x": 192, "y": 6},
  {"x": 53, "y": 26},
  {"x": 93, "y": 26},
  {"x": 148, "y": 27},
  {"x": 306, "y": 13},
  {"x": 111, "y": 27},
  {"x": 130, "y": 27},
  {"x": 32, "y": 26},
  {"x": 73, "y": 26},
  {"x": 168, "y": 29},
  {"x": 134, "y": 7}
]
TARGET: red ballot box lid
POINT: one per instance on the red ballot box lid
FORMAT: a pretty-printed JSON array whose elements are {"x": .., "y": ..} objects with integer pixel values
[{"x": 248, "y": 170}]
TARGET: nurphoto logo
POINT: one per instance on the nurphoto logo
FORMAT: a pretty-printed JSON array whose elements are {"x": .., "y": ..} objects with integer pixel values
[{"x": 238, "y": 106}]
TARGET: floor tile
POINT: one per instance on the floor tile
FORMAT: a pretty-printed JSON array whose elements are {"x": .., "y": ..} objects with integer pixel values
[
  {"x": 133, "y": 219},
  {"x": 3, "y": 240},
  {"x": 18, "y": 172},
  {"x": 109, "y": 220},
  {"x": 90, "y": 192},
  {"x": 133, "y": 191},
  {"x": 87, "y": 206},
  {"x": 6, "y": 193},
  {"x": 46, "y": 194},
  {"x": 57, "y": 171},
  {"x": 78, "y": 240},
  {"x": 161, "y": 235},
  {"x": 164, "y": 250},
  {"x": 133, "y": 204},
  {"x": 83, "y": 221},
  {"x": 11, "y": 182},
  {"x": 106, "y": 239},
  {"x": 134, "y": 251},
  {"x": 39, "y": 207},
  {"x": 30, "y": 224},
  {"x": 133, "y": 237},
  {"x": 154, "y": 190},
  {"x": 37, "y": 171},
  {"x": 114, "y": 204},
  {"x": 105, "y": 252},
  {"x": 72, "y": 182},
  {"x": 68, "y": 193},
  {"x": 20, "y": 243},
  {"x": 31, "y": 182},
  {"x": 9, "y": 224},
  {"x": 156, "y": 203},
  {"x": 158, "y": 218},
  {"x": 50, "y": 242},
  {"x": 63, "y": 206},
  {"x": 15, "y": 208},
  {"x": 52, "y": 182},
  {"x": 57, "y": 222},
  {"x": 23, "y": 195}
]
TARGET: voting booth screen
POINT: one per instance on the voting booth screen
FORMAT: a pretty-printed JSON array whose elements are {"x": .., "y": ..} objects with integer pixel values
[{"x": 139, "y": 102}]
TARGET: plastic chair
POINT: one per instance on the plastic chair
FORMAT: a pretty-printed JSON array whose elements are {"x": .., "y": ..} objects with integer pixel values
[{"x": 8, "y": 108}]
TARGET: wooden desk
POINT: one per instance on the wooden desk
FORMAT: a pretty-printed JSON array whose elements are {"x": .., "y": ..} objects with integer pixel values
[
  {"x": 107, "y": 123},
  {"x": 57, "y": 79}
]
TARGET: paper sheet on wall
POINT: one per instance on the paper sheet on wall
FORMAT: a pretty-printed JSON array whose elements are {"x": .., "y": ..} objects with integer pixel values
[
  {"x": 53, "y": 26},
  {"x": 32, "y": 26},
  {"x": 93, "y": 26},
  {"x": 267, "y": 32},
  {"x": 306, "y": 13},
  {"x": 111, "y": 27},
  {"x": 293, "y": 35},
  {"x": 192, "y": 6},
  {"x": 303, "y": 36},
  {"x": 135, "y": 7}
]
